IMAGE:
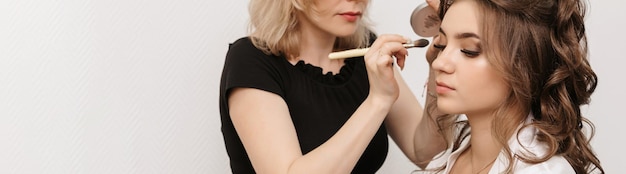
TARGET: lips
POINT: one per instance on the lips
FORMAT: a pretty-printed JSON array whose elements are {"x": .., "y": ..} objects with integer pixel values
[
  {"x": 443, "y": 88},
  {"x": 350, "y": 16},
  {"x": 351, "y": 13}
]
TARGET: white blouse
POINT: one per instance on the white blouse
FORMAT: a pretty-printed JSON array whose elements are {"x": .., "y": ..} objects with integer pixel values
[{"x": 526, "y": 144}]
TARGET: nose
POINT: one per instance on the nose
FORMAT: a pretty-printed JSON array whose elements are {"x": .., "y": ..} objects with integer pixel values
[{"x": 443, "y": 62}]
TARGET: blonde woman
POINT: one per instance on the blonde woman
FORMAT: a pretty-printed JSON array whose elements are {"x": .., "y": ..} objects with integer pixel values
[{"x": 287, "y": 108}]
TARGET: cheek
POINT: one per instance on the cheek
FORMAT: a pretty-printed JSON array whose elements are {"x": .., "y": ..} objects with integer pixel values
[
  {"x": 486, "y": 90},
  {"x": 480, "y": 86},
  {"x": 491, "y": 94},
  {"x": 325, "y": 6},
  {"x": 364, "y": 4}
]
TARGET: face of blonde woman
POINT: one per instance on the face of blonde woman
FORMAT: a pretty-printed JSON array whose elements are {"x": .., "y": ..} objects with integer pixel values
[
  {"x": 335, "y": 17},
  {"x": 466, "y": 82}
]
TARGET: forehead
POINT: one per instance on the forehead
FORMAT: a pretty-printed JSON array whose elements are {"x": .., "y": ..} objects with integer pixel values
[{"x": 461, "y": 17}]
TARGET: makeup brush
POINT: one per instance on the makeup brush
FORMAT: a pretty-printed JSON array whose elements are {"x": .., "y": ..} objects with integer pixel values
[{"x": 361, "y": 51}]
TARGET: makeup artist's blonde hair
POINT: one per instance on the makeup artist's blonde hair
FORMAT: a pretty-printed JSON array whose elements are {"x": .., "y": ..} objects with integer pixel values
[{"x": 274, "y": 27}]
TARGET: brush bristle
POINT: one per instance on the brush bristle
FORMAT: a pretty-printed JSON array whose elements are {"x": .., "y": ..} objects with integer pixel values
[{"x": 421, "y": 43}]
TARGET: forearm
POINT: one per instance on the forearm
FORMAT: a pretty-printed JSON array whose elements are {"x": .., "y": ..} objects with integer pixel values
[
  {"x": 414, "y": 128},
  {"x": 264, "y": 125},
  {"x": 403, "y": 118},
  {"x": 272, "y": 144},
  {"x": 428, "y": 140}
]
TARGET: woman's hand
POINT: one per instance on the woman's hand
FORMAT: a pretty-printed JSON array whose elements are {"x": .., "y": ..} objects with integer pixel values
[
  {"x": 379, "y": 62},
  {"x": 434, "y": 4}
]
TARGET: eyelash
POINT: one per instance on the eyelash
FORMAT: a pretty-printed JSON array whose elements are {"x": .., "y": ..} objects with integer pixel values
[
  {"x": 467, "y": 53},
  {"x": 439, "y": 47},
  {"x": 471, "y": 54}
]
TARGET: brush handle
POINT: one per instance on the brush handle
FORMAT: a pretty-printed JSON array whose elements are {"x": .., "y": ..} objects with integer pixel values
[
  {"x": 361, "y": 51},
  {"x": 348, "y": 53},
  {"x": 358, "y": 52}
]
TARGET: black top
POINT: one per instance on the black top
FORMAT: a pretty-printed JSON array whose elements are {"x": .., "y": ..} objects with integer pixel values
[{"x": 319, "y": 103}]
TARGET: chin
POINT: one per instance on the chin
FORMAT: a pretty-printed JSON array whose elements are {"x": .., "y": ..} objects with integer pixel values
[
  {"x": 345, "y": 32},
  {"x": 447, "y": 111},
  {"x": 447, "y": 108}
]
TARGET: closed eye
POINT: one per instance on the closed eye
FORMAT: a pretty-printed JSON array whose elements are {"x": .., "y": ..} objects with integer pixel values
[
  {"x": 439, "y": 47},
  {"x": 470, "y": 53}
]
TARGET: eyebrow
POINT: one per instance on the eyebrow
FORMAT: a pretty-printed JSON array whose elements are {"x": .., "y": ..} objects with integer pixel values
[{"x": 461, "y": 35}]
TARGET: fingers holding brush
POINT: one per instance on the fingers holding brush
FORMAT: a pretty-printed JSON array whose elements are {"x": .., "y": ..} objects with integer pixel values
[
  {"x": 379, "y": 61},
  {"x": 385, "y": 48}
]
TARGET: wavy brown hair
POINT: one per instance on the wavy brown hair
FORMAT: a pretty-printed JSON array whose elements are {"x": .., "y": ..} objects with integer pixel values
[
  {"x": 274, "y": 27},
  {"x": 540, "y": 47}
]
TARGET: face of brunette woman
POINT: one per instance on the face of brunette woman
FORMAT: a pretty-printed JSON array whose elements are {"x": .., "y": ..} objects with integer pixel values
[
  {"x": 467, "y": 83},
  {"x": 336, "y": 17}
]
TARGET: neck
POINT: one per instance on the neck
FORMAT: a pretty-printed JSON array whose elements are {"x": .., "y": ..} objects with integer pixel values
[
  {"x": 483, "y": 146},
  {"x": 315, "y": 45},
  {"x": 480, "y": 167}
]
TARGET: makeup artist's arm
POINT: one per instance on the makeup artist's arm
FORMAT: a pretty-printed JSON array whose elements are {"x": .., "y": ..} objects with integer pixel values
[
  {"x": 410, "y": 125},
  {"x": 411, "y": 128},
  {"x": 263, "y": 122}
]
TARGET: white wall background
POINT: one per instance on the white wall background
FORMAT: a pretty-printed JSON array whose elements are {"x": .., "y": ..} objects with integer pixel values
[{"x": 131, "y": 86}]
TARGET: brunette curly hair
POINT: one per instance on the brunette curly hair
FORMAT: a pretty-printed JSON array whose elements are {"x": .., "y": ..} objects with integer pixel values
[{"x": 540, "y": 48}]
